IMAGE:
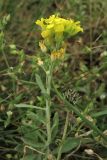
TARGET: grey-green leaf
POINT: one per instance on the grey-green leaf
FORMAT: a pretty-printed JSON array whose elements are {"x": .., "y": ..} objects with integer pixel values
[
  {"x": 55, "y": 125},
  {"x": 40, "y": 84},
  {"x": 70, "y": 144},
  {"x": 22, "y": 105}
]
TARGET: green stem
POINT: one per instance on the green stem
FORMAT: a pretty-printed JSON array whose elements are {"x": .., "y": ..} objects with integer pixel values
[
  {"x": 64, "y": 136},
  {"x": 48, "y": 104},
  {"x": 48, "y": 122}
]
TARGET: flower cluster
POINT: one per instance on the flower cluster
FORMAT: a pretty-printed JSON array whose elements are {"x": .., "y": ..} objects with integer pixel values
[
  {"x": 54, "y": 31},
  {"x": 55, "y": 26}
]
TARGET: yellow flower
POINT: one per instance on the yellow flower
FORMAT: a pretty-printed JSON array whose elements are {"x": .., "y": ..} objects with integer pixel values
[
  {"x": 59, "y": 54},
  {"x": 54, "y": 25},
  {"x": 59, "y": 28},
  {"x": 46, "y": 33},
  {"x": 62, "y": 51},
  {"x": 50, "y": 26},
  {"x": 42, "y": 46},
  {"x": 40, "y": 23}
]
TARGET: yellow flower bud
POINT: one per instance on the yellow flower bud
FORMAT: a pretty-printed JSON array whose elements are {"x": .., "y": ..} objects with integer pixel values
[
  {"x": 40, "y": 62},
  {"x": 42, "y": 46},
  {"x": 59, "y": 54}
]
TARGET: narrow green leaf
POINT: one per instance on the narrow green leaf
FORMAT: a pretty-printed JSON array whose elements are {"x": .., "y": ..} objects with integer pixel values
[
  {"x": 8, "y": 120},
  {"x": 40, "y": 84},
  {"x": 98, "y": 114},
  {"x": 33, "y": 143},
  {"x": 55, "y": 125},
  {"x": 28, "y": 106}
]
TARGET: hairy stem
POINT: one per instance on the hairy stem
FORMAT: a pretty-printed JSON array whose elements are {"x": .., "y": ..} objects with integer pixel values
[{"x": 48, "y": 112}]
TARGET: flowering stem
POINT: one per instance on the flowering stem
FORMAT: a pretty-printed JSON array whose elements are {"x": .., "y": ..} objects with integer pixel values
[{"x": 48, "y": 104}]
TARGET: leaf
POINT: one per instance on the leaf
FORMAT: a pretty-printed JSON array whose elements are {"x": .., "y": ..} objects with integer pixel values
[
  {"x": 55, "y": 125},
  {"x": 70, "y": 144},
  {"x": 29, "y": 157},
  {"x": 28, "y": 106},
  {"x": 98, "y": 114},
  {"x": 33, "y": 143},
  {"x": 8, "y": 120},
  {"x": 36, "y": 117},
  {"x": 100, "y": 90},
  {"x": 40, "y": 84}
]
